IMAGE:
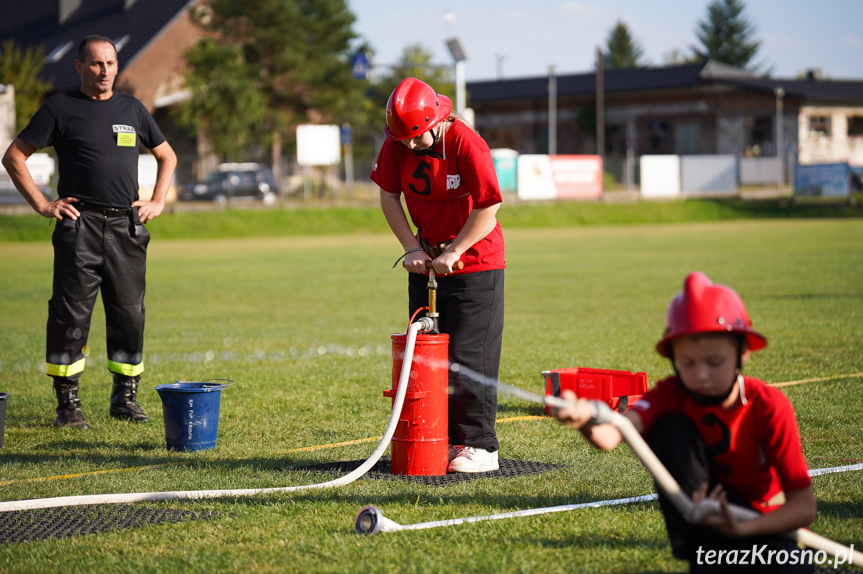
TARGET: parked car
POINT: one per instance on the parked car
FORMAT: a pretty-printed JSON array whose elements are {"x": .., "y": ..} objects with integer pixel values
[{"x": 232, "y": 181}]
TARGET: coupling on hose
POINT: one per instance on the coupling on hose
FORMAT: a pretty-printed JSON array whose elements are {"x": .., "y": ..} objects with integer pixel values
[
  {"x": 427, "y": 324},
  {"x": 600, "y": 413}
]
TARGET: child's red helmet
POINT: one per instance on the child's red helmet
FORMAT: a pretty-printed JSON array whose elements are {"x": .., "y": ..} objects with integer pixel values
[
  {"x": 413, "y": 109},
  {"x": 705, "y": 307}
]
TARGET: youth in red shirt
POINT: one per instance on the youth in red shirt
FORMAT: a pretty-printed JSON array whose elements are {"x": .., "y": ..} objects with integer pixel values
[
  {"x": 441, "y": 192},
  {"x": 721, "y": 435},
  {"x": 753, "y": 445},
  {"x": 445, "y": 171}
]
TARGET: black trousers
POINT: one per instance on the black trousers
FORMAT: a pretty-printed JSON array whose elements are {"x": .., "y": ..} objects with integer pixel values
[
  {"x": 471, "y": 312},
  {"x": 676, "y": 442},
  {"x": 97, "y": 252}
]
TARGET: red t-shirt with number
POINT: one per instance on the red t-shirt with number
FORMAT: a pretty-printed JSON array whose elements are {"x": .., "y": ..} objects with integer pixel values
[
  {"x": 440, "y": 192},
  {"x": 754, "y": 448}
]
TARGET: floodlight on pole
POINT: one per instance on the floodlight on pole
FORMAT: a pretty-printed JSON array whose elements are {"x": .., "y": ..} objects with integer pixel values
[{"x": 459, "y": 54}]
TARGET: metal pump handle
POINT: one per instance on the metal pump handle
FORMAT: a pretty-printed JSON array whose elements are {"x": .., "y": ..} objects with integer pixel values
[{"x": 458, "y": 265}]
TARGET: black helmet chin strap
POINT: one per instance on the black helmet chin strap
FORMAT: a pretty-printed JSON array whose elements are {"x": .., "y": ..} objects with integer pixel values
[{"x": 429, "y": 151}]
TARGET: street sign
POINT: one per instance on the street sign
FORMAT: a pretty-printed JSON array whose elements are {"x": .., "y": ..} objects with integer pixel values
[
  {"x": 346, "y": 134},
  {"x": 360, "y": 65}
]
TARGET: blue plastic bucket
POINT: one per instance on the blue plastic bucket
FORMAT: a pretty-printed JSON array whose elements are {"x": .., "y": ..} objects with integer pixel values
[
  {"x": 191, "y": 411},
  {"x": 2, "y": 416}
]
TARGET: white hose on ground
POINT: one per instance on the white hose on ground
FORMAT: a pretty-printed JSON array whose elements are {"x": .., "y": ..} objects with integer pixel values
[
  {"x": 421, "y": 325},
  {"x": 370, "y": 519}
]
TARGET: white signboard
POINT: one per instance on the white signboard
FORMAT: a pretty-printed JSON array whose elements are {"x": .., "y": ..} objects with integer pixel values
[
  {"x": 318, "y": 144},
  {"x": 559, "y": 176},
  {"x": 535, "y": 179},
  {"x": 660, "y": 175}
]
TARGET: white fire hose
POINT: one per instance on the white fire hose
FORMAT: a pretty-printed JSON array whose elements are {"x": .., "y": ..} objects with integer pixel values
[
  {"x": 422, "y": 325},
  {"x": 370, "y": 520}
]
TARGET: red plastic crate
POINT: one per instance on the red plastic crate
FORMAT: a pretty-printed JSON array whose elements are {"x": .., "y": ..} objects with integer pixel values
[{"x": 619, "y": 389}]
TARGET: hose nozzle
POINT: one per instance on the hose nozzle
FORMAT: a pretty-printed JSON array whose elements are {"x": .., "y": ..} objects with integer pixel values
[{"x": 370, "y": 520}]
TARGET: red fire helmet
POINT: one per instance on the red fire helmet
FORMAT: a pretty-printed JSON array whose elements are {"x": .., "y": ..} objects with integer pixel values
[
  {"x": 413, "y": 109},
  {"x": 706, "y": 307}
]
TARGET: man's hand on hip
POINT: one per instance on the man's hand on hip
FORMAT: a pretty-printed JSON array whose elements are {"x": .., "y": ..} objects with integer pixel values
[
  {"x": 147, "y": 210},
  {"x": 59, "y": 209}
]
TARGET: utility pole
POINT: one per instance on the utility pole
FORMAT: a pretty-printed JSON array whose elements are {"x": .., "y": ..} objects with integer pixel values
[
  {"x": 780, "y": 144},
  {"x": 600, "y": 105},
  {"x": 552, "y": 111},
  {"x": 459, "y": 54}
]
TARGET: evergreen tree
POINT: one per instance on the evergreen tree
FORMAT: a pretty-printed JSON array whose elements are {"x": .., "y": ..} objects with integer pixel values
[
  {"x": 266, "y": 66},
  {"x": 621, "y": 50},
  {"x": 727, "y": 36},
  {"x": 225, "y": 107},
  {"x": 21, "y": 69}
]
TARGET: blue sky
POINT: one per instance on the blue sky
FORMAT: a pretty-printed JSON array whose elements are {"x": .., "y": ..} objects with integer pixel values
[{"x": 522, "y": 38}]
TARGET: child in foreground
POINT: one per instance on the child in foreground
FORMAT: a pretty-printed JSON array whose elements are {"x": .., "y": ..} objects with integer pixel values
[{"x": 721, "y": 435}]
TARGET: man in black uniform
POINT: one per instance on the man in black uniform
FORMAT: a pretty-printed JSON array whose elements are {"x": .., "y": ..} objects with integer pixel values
[{"x": 99, "y": 240}]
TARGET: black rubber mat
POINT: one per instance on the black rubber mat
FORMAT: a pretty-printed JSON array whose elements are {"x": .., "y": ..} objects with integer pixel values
[
  {"x": 42, "y": 523},
  {"x": 381, "y": 471}
]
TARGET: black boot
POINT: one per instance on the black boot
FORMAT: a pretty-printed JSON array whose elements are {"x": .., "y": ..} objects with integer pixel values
[
  {"x": 69, "y": 412},
  {"x": 123, "y": 405}
]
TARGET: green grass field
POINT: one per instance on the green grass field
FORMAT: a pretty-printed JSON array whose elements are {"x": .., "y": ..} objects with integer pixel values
[{"x": 303, "y": 324}]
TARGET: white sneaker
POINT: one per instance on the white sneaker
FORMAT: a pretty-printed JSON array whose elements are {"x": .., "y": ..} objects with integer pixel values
[
  {"x": 451, "y": 453},
  {"x": 470, "y": 459}
]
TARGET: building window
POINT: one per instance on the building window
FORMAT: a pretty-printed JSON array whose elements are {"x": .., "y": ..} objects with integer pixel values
[
  {"x": 819, "y": 125},
  {"x": 658, "y": 137},
  {"x": 687, "y": 138},
  {"x": 760, "y": 133},
  {"x": 855, "y": 126}
]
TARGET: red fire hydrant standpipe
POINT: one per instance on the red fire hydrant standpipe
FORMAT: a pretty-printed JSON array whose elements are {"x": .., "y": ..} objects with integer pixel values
[{"x": 420, "y": 444}]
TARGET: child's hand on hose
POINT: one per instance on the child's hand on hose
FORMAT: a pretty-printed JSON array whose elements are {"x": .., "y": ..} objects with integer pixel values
[{"x": 575, "y": 415}]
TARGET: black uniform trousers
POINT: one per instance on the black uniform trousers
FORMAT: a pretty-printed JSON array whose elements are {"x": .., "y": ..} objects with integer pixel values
[
  {"x": 104, "y": 249},
  {"x": 676, "y": 442},
  {"x": 471, "y": 312}
]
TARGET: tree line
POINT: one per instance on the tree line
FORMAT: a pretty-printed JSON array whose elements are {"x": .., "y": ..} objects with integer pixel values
[{"x": 265, "y": 66}]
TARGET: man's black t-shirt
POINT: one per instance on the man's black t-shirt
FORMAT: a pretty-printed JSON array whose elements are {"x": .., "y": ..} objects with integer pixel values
[{"x": 97, "y": 144}]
